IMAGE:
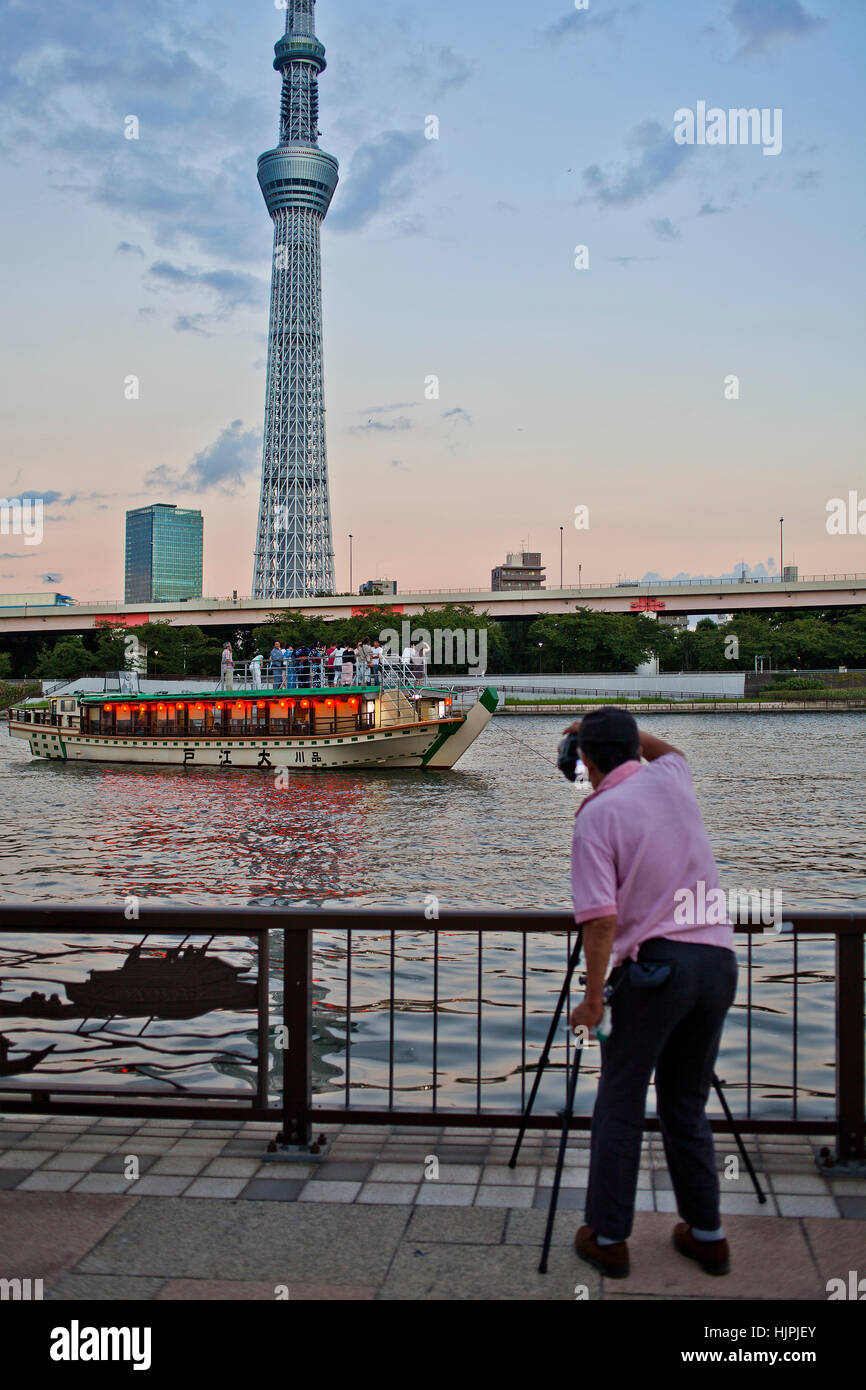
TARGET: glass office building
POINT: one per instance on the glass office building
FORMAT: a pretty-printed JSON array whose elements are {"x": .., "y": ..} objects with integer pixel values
[{"x": 163, "y": 554}]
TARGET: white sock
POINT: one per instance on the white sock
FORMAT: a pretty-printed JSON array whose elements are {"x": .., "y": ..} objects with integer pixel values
[
  {"x": 708, "y": 1235},
  {"x": 603, "y": 1240}
]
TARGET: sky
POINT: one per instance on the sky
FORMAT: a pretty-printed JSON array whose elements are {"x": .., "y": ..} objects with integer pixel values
[{"x": 599, "y": 379}]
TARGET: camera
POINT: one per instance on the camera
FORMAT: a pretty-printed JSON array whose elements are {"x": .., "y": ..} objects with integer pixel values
[{"x": 567, "y": 757}]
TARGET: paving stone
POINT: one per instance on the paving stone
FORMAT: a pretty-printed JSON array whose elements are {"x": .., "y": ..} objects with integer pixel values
[
  {"x": 769, "y": 1260},
  {"x": 235, "y": 1291},
  {"x": 116, "y": 1163},
  {"x": 800, "y": 1183},
  {"x": 86, "y": 1288},
  {"x": 243, "y": 1148},
  {"x": 179, "y": 1165},
  {"x": 457, "y": 1225},
  {"x": 853, "y": 1208},
  {"x": 397, "y": 1172},
  {"x": 482, "y": 1273},
  {"x": 41, "y": 1181},
  {"x": 807, "y": 1206},
  {"x": 490, "y": 1196},
  {"x": 135, "y": 1145},
  {"x": 331, "y": 1191},
  {"x": 68, "y": 1162},
  {"x": 231, "y": 1168},
  {"x": 92, "y": 1143},
  {"x": 744, "y": 1204},
  {"x": 330, "y": 1171},
  {"x": 837, "y": 1247},
  {"x": 264, "y": 1190},
  {"x": 21, "y": 1157},
  {"x": 528, "y": 1227},
  {"x": 10, "y": 1137},
  {"x": 499, "y": 1174},
  {"x": 435, "y": 1194},
  {"x": 261, "y": 1240},
  {"x": 103, "y": 1182},
  {"x": 43, "y": 1234},
  {"x": 215, "y": 1187},
  {"x": 11, "y": 1177},
  {"x": 571, "y": 1177},
  {"x": 284, "y": 1172},
  {"x": 388, "y": 1193},
  {"x": 570, "y": 1199},
  {"x": 159, "y": 1186},
  {"x": 209, "y": 1148}
]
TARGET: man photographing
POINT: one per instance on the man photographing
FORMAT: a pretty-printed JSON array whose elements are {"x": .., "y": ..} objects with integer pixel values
[{"x": 638, "y": 841}]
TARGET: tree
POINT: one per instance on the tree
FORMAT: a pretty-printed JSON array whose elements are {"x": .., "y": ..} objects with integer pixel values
[
  {"x": 66, "y": 659},
  {"x": 5, "y": 665}
]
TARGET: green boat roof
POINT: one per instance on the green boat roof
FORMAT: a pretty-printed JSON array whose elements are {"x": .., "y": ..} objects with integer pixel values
[{"x": 239, "y": 695}]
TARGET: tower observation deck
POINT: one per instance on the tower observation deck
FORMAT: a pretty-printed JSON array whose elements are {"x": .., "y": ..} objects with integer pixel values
[{"x": 294, "y": 549}]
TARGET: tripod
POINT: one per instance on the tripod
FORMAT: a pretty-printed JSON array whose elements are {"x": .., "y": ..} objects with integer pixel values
[{"x": 569, "y": 1107}]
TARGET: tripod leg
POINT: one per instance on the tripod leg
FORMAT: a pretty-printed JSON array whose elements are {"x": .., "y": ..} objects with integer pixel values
[
  {"x": 761, "y": 1195},
  {"x": 560, "y": 1160},
  {"x": 551, "y": 1033}
]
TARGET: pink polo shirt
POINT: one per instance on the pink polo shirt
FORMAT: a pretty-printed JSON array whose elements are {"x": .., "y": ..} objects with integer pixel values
[{"x": 641, "y": 853}]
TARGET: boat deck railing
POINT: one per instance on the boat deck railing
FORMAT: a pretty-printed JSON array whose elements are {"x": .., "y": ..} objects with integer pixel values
[{"x": 386, "y": 1030}]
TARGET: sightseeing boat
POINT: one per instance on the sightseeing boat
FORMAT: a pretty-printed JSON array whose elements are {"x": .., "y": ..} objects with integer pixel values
[{"x": 398, "y": 723}]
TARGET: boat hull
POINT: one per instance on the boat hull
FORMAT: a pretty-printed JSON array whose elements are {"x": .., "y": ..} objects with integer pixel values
[{"x": 436, "y": 744}]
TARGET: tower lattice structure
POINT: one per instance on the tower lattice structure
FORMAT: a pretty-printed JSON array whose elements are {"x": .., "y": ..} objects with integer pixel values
[{"x": 294, "y": 548}]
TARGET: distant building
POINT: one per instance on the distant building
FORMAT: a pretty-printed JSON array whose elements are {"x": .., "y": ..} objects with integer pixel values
[
  {"x": 521, "y": 571},
  {"x": 379, "y": 586},
  {"x": 790, "y": 574},
  {"x": 163, "y": 554}
]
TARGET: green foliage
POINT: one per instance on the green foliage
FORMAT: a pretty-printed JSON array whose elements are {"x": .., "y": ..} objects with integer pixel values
[
  {"x": 65, "y": 659},
  {"x": 5, "y": 665},
  {"x": 795, "y": 683}
]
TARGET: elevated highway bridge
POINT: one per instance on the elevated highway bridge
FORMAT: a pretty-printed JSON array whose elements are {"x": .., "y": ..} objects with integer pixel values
[{"x": 665, "y": 598}]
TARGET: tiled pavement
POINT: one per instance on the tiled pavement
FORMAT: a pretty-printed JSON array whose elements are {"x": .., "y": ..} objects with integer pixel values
[{"x": 369, "y": 1218}]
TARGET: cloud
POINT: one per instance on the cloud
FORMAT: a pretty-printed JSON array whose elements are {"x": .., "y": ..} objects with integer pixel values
[
  {"x": 51, "y": 578},
  {"x": 659, "y": 160},
  {"x": 709, "y": 210},
  {"x": 377, "y": 179},
  {"x": 72, "y": 72},
  {"x": 762, "y": 23},
  {"x": 232, "y": 289},
  {"x": 193, "y": 323},
  {"x": 810, "y": 178},
  {"x": 129, "y": 248},
  {"x": 10, "y": 555},
  {"x": 34, "y": 495},
  {"x": 224, "y": 465},
  {"x": 664, "y": 229},
  {"x": 386, "y": 409},
  {"x": 581, "y": 22},
  {"x": 438, "y": 69},
  {"x": 459, "y": 415}
]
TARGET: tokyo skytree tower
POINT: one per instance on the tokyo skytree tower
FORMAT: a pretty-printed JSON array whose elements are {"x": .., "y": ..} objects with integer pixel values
[{"x": 294, "y": 551}]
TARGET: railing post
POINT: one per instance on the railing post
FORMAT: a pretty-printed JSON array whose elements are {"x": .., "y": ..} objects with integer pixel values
[
  {"x": 297, "y": 1048},
  {"x": 850, "y": 1072}
]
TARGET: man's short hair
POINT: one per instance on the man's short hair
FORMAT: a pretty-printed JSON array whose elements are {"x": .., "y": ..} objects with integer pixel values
[{"x": 609, "y": 737}]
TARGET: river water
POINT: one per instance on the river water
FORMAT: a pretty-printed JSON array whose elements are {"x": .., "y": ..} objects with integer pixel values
[{"x": 782, "y": 798}]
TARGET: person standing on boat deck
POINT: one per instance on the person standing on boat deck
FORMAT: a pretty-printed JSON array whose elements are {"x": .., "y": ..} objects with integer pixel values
[
  {"x": 377, "y": 653},
  {"x": 338, "y": 663},
  {"x": 408, "y": 658},
  {"x": 256, "y": 671},
  {"x": 347, "y": 674},
  {"x": 329, "y": 664},
  {"x": 227, "y": 667},
  {"x": 276, "y": 659},
  {"x": 302, "y": 662},
  {"x": 288, "y": 668},
  {"x": 422, "y": 651},
  {"x": 368, "y": 657},
  {"x": 640, "y": 851}
]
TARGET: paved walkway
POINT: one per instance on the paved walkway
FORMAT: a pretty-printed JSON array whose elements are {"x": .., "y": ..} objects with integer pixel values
[{"x": 113, "y": 1209}]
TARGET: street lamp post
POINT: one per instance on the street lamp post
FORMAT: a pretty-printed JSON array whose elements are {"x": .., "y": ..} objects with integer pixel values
[
  {"x": 540, "y": 645},
  {"x": 561, "y": 530},
  {"x": 351, "y": 585},
  {"x": 782, "y": 549}
]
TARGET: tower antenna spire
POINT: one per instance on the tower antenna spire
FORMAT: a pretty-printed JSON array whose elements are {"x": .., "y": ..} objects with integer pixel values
[{"x": 294, "y": 549}]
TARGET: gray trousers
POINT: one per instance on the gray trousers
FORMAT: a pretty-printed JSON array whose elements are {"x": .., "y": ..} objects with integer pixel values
[{"x": 674, "y": 1030}]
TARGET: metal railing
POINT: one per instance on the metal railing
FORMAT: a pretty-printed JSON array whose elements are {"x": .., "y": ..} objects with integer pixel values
[{"x": 348, "y": 933}]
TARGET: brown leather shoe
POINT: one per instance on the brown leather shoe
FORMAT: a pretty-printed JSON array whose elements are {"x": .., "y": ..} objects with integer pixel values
[
  {"x": 611, "y": 1260},
  {"x": 713, "y": 1256}
]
